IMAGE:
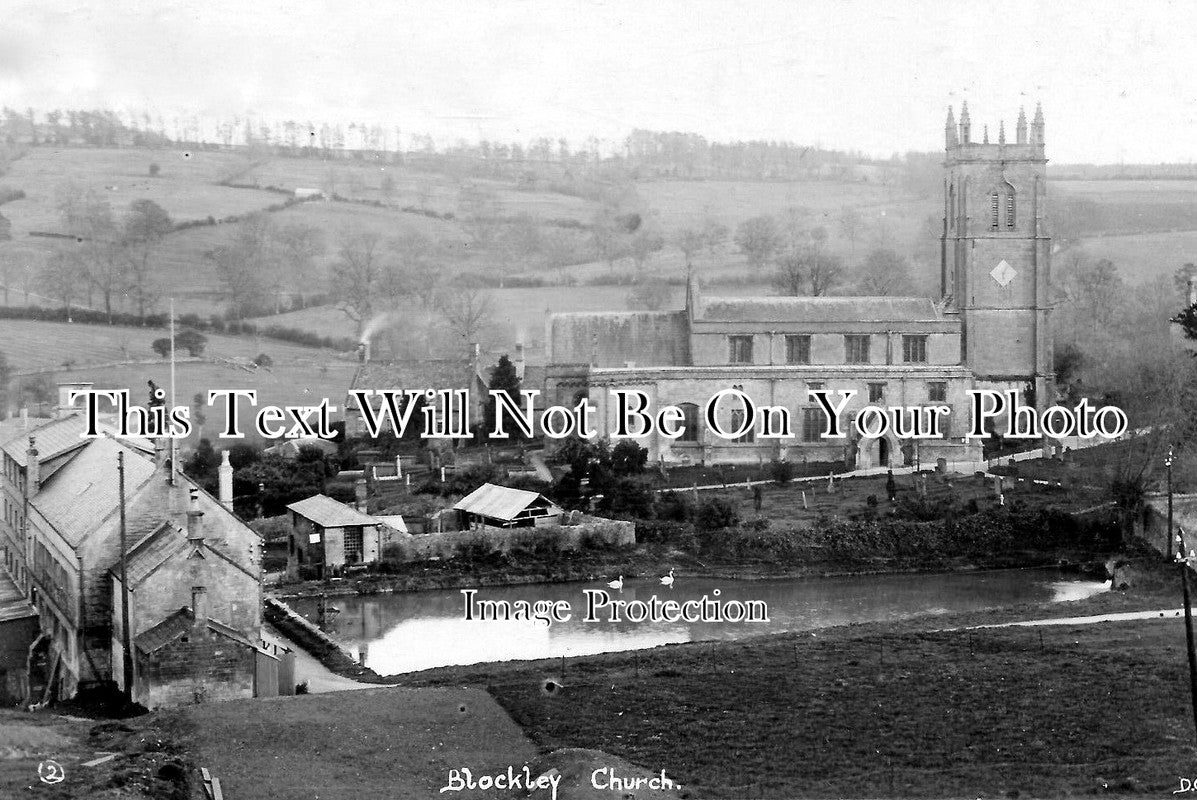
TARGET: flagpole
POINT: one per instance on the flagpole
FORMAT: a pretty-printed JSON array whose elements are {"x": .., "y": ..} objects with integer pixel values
[{"x": 173, "y": 454}]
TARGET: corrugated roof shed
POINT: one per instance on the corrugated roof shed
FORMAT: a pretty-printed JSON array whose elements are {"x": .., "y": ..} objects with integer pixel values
[
  {"x": 500, "y": 502},
  {"x": 328, "y": 513}
]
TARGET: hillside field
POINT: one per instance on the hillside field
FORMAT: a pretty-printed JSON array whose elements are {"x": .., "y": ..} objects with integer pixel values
[{"x": 1146, "y": 227}]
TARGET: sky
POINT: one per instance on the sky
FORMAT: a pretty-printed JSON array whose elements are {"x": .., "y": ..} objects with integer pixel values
[{"x": 1115, "y": 78}]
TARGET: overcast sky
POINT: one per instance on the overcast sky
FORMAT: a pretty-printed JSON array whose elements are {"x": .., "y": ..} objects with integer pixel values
[{"x": 1116, "y": 78}]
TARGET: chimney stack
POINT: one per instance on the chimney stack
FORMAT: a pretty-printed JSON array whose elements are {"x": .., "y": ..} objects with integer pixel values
[
  {"x": 1192, "y": 291},
  {"x": 24, "y": 418},
  {"x": 363, "y": 351},
  {"x": 519, "y": 360},
  {"x": 195, "y": 521},
  {"x": 65, "y": 406},
  {"x": 33, "y": 472},
  {"x": 226, "y": 480},
  {"x": 199, "y": 607}
]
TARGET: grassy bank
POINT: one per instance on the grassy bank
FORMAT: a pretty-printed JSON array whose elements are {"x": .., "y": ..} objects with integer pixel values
[{"x": 907, "y": 709}]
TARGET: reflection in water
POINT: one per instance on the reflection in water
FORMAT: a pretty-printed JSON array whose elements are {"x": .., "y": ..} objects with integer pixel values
[{"x": 396, "y": 633}]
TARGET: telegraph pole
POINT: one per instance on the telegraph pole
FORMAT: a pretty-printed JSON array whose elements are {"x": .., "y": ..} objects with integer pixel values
[
  {"x": 1168, "y": 535},
  {"x": 1185, "y": 563},
  {"x": 126, "y": 634}
]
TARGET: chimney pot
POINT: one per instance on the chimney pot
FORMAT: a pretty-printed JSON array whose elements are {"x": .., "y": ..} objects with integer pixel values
[
  {"x": 195, "y": 520},
  {"x": 226, "y": 480},
  {"x": 33, "y": 474}
]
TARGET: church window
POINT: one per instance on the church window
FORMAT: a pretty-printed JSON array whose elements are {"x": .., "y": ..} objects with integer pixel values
[
  {"x": 856, "y": 348},
  {"x": 797, "y": 349},
  {"x": 876, "y": 392},
  {"x": 689, "y": 422},
  {"x": 1010, "y": 210},
  {"x": 737, "y": 419},
  {"x": 812, "y": 424},
  {"x": 994, "y": 208},
  {"x": 740, "y": 349},
  {"x": 914, "y": 349},
  {"x": 937, "y": 391}
]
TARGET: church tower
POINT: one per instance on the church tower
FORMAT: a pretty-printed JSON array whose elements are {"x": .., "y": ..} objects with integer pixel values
[{"x": 996, "y": 255}]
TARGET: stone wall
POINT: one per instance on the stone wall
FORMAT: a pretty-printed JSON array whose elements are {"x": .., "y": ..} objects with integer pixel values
[
  {"x": 422, "y": 547},
  {"x": 201, "y": 669}
]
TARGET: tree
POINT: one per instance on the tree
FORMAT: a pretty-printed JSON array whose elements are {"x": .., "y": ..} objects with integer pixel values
[
  {"x": 5, "y": 377},
  {"x": 161, "y": 346},
  {"x": 144, "y": 227},
  {"x": 690, "y": 241},
  {"x": 248, "y": 263},
  {"x": 648, "y": 295},
  {"x": 299, "y": 247},
  {"x": 61, "y": 277},
  {"x": 467, "y": 309},
  {"x": 644, "y": 242},
  {"x": 628, "y": 458},
  {"x": 851, "y": 225},
  {"x": 98, "y": 251},
  {"x": 884, "y": 272},
  {"x": 758, "y": 239},
  {"x": 789, "y": 278},
  {"x": 825, "y": 271},
  {"x": 362, "y": 280},
  {"x": 193, "y": 342},
  {"x": 506, "y": 380},
  {"x": 714, "y": 234}
]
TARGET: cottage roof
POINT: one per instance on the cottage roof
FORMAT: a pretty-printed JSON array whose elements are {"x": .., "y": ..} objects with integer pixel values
[
  {"x": 55, "y": 437},
  {"x": 501, "y": 502},
  {"x": 328, "y": 513},
  {"x": 179, "y": 623},
  {"x": 86, "y": 490},
  {"x": 816, "y": 309},
  {"x": 436, "y": 373}
]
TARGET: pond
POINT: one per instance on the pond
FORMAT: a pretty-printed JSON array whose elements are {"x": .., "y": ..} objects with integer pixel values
[{"x": 405, "y": 632}]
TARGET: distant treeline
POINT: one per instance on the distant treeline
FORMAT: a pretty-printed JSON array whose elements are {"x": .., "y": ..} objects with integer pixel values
[{"x": 213, "y": 324}]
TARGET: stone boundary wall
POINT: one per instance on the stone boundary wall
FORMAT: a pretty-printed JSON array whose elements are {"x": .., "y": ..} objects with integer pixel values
[{"x": 422, "y": 547}]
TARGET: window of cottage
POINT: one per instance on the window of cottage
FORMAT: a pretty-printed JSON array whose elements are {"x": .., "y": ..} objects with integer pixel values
[
  {"x": 690, "y": 422},
  {"x": 876, "y": 392},
  {"x": 353, "y": 544},
  {"x": 813, "y": 424},
  {"x": 937, "y": 391}
]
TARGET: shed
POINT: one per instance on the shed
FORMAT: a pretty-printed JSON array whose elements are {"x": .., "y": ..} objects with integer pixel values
[
  {"x": 504, "y": 507},
  {"x": 326, "y": 533}
]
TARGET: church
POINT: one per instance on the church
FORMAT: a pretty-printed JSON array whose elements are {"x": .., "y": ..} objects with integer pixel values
[{"x": 988, "y": 329}]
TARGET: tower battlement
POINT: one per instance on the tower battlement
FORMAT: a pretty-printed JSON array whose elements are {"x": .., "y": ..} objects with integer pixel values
[{"x": 960, "y": 138}]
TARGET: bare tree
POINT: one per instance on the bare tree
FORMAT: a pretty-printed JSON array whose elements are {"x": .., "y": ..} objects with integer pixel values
[
  {"x": 690, "y": 241},
  {"x": 248, "y": 264},
  {"x": 851, "y": 225},
  {"x": 300, "y": 246},
  {"x": 467, "y": 308},
  {"x": 62, "y": 276},
  {"x": 144, "y": 227},
  {"x": 363, "y": 282},
  {"x": 884, "y": 272},
  {"x": 789, "y": 278},
  {"x": 98, "y": 251}
]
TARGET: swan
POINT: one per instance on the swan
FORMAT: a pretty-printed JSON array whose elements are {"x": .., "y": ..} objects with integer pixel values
[
  {"x": 668, "y": 580},
  {"x": 616, "y": 584}
]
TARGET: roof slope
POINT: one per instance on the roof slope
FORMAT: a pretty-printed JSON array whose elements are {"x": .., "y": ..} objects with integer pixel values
[
  {"x": 87, "y": 490},
  {"x": 328, "y": 513},
  {"x": 500, "y": 502},
  {"x": 817, "y": 309},
  {"x": 612, "y": 339},
  {"x": 179, "y": 623}
]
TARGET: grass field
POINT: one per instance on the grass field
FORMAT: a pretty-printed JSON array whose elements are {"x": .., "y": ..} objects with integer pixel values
[
  {"x": 1144, "y": 256},
  {"x": 187, "y": 188},
  {"x": 32, "y": 346}
]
